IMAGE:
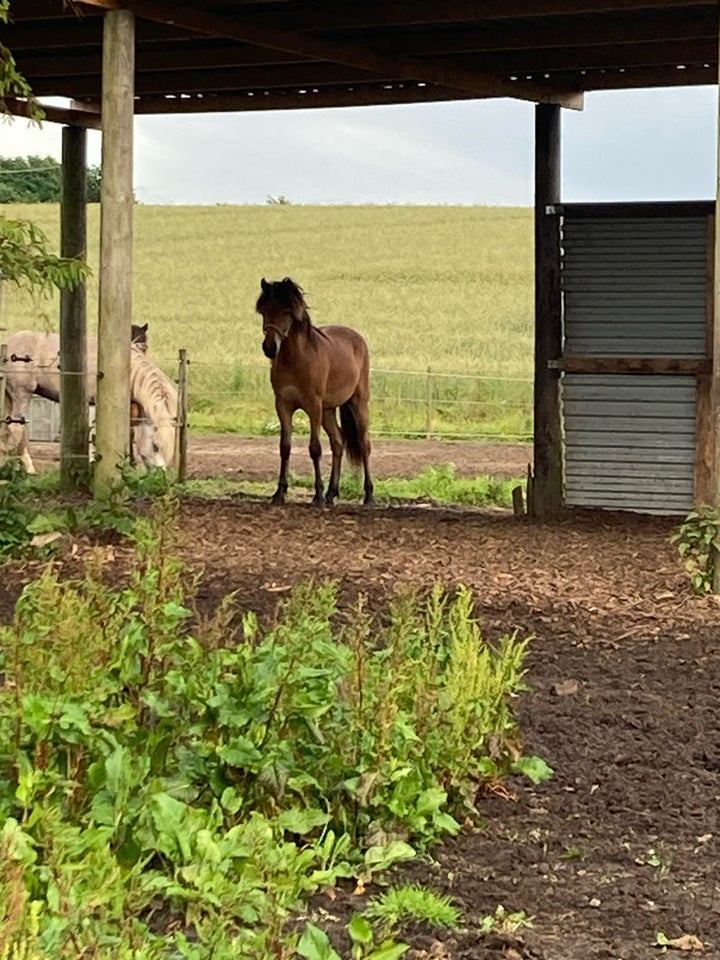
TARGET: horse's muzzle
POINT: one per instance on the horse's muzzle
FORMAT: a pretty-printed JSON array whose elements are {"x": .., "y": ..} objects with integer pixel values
[{"x": 270, "y": 348}]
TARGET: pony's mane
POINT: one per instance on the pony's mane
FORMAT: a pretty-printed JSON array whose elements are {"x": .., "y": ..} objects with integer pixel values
[
  {"x": 285, "y": 294},
  {"x": 156, "y": 393}
]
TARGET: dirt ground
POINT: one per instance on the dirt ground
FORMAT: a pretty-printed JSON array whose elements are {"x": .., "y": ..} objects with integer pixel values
[{"x": 624, "y": 674}]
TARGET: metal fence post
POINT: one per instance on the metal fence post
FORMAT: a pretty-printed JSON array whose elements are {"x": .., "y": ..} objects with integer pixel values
[{"x": 181, "y": 426}]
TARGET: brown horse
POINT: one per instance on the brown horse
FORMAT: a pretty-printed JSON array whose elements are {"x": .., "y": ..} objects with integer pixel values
[{"x": 316, "y": 369}]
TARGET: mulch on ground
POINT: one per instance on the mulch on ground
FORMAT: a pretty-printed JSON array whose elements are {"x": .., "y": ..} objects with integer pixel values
[{"x": 624, "y": 675}]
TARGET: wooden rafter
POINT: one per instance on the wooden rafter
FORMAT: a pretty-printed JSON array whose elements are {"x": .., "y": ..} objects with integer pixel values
[
  {"x": 77, "y": 114},
  {"x": 330, "y": 14},
  {"x": 347, "y": 52},
  {"x": 364, "y": 96},
  {"x": 340, "y": 16}
]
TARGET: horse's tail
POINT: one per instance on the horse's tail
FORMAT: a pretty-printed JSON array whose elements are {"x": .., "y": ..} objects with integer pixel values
[{"x": 350, "y": 431}]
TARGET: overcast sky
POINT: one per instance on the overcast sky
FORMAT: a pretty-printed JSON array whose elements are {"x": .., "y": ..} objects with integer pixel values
[{"x": 630, "y": 145}]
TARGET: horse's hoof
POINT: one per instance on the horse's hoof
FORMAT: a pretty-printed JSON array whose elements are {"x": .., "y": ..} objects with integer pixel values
[
  {"x": 318, "y": 501},
  {"x": 277, "y": 499}
]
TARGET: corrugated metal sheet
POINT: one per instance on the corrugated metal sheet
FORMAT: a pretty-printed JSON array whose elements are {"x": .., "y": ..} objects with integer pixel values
[
  {"x": 635, "y": 286},
  {"x": 629, "y": 442}
]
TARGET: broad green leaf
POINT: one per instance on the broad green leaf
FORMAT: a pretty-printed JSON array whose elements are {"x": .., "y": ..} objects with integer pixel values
[
  {"x": 315, "y": 945},
  {"x": 533, "y": 767},
  {"x": 302, "y": 821}
]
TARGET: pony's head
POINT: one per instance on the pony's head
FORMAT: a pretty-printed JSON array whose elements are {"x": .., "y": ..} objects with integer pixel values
[
  {"x": 281, "y": 305},
  {"x": 145, "y": 443},
  {"x": 138, "y": 337}
]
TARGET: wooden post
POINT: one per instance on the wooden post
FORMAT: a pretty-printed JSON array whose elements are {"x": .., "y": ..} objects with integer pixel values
[
  {"x": 428, "y": 405},
  {"x": 74, "y": 431},
  {"x": 116, "y": 235},
  {"x": 714, "y": 389},
  {"x": 548, "y": 471},
  {"x": 5, "y": 439},
  {"x": 181, "y": 439}
]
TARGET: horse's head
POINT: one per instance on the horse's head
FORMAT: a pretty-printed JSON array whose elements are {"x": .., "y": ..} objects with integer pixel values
[
  {"x": 138, "y": 337},
  {"x": 281, "y": 305},
  {"x": 144, "y": 439}
]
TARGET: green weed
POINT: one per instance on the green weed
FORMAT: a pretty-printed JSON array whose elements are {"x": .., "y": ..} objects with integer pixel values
[
  {"x": 170, "y": 792},
  {"x": 698, "y": 540}
]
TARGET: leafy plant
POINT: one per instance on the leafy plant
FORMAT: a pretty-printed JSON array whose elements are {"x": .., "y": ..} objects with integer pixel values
[
  {"x": 15, "y": 515},
  {"x": 182, "y": 794},
  {"x": 413, "y": 902},
  {"x": 698, "y": 543},
  {"x": 504, "y": 921}
]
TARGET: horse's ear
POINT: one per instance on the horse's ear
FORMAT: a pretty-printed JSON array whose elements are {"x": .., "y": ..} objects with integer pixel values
[
  {"x": 264, "y": 284},
  {"x": 144, "y": 328}
]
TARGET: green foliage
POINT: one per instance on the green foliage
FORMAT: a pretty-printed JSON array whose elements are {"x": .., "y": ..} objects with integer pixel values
[
  {"x": 12, "y": 81},
  {"x": 433, "y": 485},
  {"x": 170, "y": 793},
  {"x": 413, "y": 902},
  {"x": 698, "y": 543},
  {"x": 504, "y": 921},
  {"x": 26, "y": 261},
  {"x": 39, "y": 180},
  {"x": 15, "y": 515}
]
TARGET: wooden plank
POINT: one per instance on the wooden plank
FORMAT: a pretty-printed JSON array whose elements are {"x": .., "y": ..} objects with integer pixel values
[
  {"x": 648, "y": 365},
  {"x": 356, "y": 96},
  {"x": 343, "y": 51},
  {"x": 547, "y": 458},
  {"x": 74, "y": 430},
  {"x": 116, "y": 234},
  {"x": 78, "y": 115},
  {"x": 636, "y": 210},
  {"x": 402, "y": 12}
]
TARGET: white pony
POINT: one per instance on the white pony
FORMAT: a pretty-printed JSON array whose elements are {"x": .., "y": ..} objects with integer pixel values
[
  {"x": 33, "y": 368},
  {"x": 154, "y": 405}
]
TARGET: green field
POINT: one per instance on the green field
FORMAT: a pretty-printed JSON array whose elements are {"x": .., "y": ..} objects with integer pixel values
[{"x": 442, "y": 294}]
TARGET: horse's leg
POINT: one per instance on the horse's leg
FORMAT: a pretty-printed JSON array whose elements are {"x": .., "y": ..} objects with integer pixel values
[
  {"x": 332, "y": 429},
  {"x": 18, "y": 410},
  {"x": 285, "y": 415},
  {"x": 361, "y": 412},
  {"x": 315, "y": 415}
]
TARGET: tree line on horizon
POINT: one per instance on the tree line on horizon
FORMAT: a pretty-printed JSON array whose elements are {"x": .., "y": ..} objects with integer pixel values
[{"x": 39, "y": 180}]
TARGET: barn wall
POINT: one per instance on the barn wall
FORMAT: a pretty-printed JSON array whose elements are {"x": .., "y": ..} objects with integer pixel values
[{"x": 635, "y": 285}]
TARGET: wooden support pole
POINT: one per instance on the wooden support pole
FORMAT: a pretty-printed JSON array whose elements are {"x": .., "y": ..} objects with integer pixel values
[
  {"x": 181, "y": 428},
  {"x": 714, "y": 347},
  {"x": 548, "y": 470},
  {"x": 74, "y": 431},
  {"x": 116, "y": 235}
]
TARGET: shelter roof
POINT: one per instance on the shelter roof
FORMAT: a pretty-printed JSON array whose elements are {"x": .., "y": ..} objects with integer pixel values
[{"x": 201, "y": 56}]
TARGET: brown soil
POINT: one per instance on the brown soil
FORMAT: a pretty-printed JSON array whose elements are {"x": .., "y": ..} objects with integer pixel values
[{"x": 622, "y": 843}]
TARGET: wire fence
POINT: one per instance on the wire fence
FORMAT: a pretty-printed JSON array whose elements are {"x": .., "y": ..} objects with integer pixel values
[
  {"x": 410, "y": 404},
  {"x": 232, "y": 398}
]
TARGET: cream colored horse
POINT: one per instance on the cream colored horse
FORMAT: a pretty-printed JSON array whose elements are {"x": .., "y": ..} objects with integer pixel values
[{"x": 33, "y": 368}]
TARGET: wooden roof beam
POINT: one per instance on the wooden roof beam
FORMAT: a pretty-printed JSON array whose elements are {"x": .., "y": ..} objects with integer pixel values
[
  {"x": 75, "y": 114},
  {"x": 350, "y": 54},
  {"x": 476, "y": 38},
  {"x": 339, "y": 16},
  {"x": 359, "y": 95}
]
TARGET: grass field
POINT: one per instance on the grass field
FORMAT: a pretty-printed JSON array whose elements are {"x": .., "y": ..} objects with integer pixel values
[{"x": 442, "y": 294}]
